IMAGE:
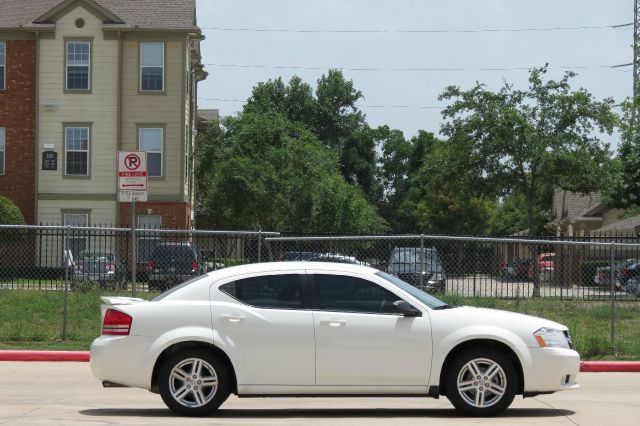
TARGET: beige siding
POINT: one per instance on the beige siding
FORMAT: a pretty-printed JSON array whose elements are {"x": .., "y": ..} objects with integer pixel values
[
  {"x": 98, "y": 108},
  {"x": 49, "y": 248},
  {"x": 166, "y": 109}
]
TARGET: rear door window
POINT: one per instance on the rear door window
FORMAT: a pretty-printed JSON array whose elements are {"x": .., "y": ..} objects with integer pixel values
[{"x": 267, "y": 291}]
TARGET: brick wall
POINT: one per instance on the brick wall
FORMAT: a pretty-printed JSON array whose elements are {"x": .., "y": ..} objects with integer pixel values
[
  {"x": 174, "y": 215},
  {"x": 18, "y": 117}
]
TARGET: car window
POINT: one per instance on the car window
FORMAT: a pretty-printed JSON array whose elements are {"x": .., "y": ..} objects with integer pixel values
[
  {"x": 268, "y": 291},
  {"x": 350, "y": 294},
  {"x": 173, "y": 252},
  {"x": 413, "y": 255}
]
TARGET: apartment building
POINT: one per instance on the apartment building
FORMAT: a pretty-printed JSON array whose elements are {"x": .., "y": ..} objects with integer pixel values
[{"x": 106, "y": 75}]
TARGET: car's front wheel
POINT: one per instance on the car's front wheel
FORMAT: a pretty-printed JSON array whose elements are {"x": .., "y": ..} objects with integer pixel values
[
  {"x": 481, "y": 382},
  {"x": 194, "y": 382}
]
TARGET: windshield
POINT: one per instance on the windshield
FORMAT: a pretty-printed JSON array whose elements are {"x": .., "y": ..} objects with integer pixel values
[
  {"x": 426, "y": 298},
  {"x": 413, "y": 256}
]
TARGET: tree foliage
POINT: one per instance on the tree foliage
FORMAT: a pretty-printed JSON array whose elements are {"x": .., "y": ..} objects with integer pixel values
[
  {"x": 261, "y": 169},
  {"x": 624, "y": 183},
  {"x": 520, "y": 141},
  {"x": 10, "y": 214}
]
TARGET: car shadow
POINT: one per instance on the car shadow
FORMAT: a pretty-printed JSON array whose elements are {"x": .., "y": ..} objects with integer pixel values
[{"x": 326, "y": 413}]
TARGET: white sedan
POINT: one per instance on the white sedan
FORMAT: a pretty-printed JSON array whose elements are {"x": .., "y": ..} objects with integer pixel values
[{"x": 324, "y": 329}]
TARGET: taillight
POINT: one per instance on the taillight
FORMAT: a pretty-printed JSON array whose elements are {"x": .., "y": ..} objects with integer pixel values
[
  {"x": 110, "y": 267},
  {"x": 116, "y": 323},
  {"x": 78, "y": 267},
  {"x": 194, "y": 266},
  {"x": 624, "y": 272},
  {"x": 150, "y": 264}
]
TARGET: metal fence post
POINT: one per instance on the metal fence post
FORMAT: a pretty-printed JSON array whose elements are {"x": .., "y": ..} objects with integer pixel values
[
  {"x": 421, "y": 261},
  {"x": 259, "y": 245},
  {"x": 612, "y": 280},
  {"x": 65, "y": 262},
  {"x": 134, "y": 254}
]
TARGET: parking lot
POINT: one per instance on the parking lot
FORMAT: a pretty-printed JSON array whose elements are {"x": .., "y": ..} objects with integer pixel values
[{"x": 66, "y": 393}]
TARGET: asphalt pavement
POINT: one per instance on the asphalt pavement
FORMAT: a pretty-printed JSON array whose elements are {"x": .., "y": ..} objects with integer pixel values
[{"x": 65, "y": 393}]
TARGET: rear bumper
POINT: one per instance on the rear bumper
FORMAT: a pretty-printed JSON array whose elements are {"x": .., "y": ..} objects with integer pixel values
[
  {"x": 117, "y": 359},
  {"x": 551, "y": 370}
]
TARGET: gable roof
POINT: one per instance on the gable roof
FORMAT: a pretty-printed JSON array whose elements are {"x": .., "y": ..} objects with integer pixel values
[
  {"x": 130, "y": 14},
  {"x": 570, "y": 205}
]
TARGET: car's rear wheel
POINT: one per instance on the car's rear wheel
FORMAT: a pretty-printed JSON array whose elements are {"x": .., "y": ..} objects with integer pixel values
[
  {"x": 481, "y": 382},
  {"x": 194, "y": 382}
]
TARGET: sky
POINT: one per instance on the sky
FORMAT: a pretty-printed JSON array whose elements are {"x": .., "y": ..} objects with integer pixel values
[{"x": 341, "y": 37}]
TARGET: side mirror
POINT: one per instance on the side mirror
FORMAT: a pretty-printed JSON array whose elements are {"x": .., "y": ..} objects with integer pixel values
[{"x": 406, "y": 309}]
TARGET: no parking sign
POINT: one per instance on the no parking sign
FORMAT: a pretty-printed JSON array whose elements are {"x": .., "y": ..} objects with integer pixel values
[{"x": 132, "y": 176}]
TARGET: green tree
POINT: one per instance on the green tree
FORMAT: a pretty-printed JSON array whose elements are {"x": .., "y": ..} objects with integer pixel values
[
  {"x": 624, "y": 181},
  {"x": 331, "y": 115},
  {"x": 520, "y": 141},
  {"x": 261, "y": 169}
]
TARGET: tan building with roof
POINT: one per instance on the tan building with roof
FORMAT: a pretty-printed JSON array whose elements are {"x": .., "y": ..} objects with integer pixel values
[
  {"x": 112, "y": 75},
  {"x": 583, "y": 215}
]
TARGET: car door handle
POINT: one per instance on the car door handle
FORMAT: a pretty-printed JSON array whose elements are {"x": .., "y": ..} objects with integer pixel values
[
  {"x": 333, "y": 323},
  {"x": 232, "y": 318}
]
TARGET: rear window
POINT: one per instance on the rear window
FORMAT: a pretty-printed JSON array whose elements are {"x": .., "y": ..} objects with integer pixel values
[{"x": 173, "y": 252}]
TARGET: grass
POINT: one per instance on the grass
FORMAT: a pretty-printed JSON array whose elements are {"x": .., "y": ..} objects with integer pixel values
[
  {"x": 33, "y": 320},
  {"x": 589, "y": 322}
]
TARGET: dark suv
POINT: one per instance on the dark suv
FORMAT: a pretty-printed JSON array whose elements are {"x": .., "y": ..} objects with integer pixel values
[
  {"x": 173, "y": 263},
  {"x": 419, "y": 267}
]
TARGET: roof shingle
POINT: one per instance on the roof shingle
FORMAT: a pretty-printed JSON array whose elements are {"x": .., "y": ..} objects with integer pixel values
[{"x": 143, "y": 14}]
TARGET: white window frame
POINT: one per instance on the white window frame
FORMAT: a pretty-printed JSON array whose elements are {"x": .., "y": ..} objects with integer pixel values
[
  {"x": 67, "y": 150},
  {"x": 161, "y": 152},
  {"x": 66, "y": 66},
  {"x": 3, "y": 65},
  {"x": 3, "y": 149},
  {"x": 155, "y": 66}
]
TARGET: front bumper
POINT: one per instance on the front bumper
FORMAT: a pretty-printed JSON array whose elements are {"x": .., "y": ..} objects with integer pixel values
[{"x": 551, "y": 370}]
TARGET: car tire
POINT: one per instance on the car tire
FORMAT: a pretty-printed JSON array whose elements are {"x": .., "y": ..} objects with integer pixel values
[
  {"x": 488, "y": 395},
  {"x": 180, "y": 376}
]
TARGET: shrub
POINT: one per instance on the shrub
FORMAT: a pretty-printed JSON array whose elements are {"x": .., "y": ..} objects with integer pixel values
[{"x": 10, "y": 214}]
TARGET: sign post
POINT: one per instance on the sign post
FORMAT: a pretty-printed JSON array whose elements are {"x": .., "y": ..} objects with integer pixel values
[{"x": 132, "y": 187}]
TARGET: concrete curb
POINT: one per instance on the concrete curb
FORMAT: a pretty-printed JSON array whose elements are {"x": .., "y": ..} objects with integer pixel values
[
  {"x": 73, "y": 356},
  {"x": 83, "y": 356}
]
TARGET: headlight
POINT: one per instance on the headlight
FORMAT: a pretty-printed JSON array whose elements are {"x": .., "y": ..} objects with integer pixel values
[{"x": 551, "y": 338}]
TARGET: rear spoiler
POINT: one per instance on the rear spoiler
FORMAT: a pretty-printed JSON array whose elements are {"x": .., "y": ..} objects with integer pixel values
[{"x": 120, "y": 300}]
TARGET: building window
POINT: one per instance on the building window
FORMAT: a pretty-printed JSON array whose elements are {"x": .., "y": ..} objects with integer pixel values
[
  {"x": 77, "y": 241},
  {"x": 152, "y": 67},
  {"x": 78, "y": 63},
  {"x": 3, "y": 62},
  {"x": 2, "y": 149},
  {"x": 151, "y": 141},
  {"x": 76, "y": 144}
]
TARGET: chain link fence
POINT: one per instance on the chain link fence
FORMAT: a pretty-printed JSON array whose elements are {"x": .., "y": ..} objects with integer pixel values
[
  {"x": 64, "y": 269},
  {"x": 599, "y": 268},
  {"x": 83, "y": 258}
]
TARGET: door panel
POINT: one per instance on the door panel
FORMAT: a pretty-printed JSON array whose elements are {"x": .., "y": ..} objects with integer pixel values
[
  {"x": 367, "y": 346},
  {"x": 268, "y": 346},
  {"x": 367, "y": 349}
]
